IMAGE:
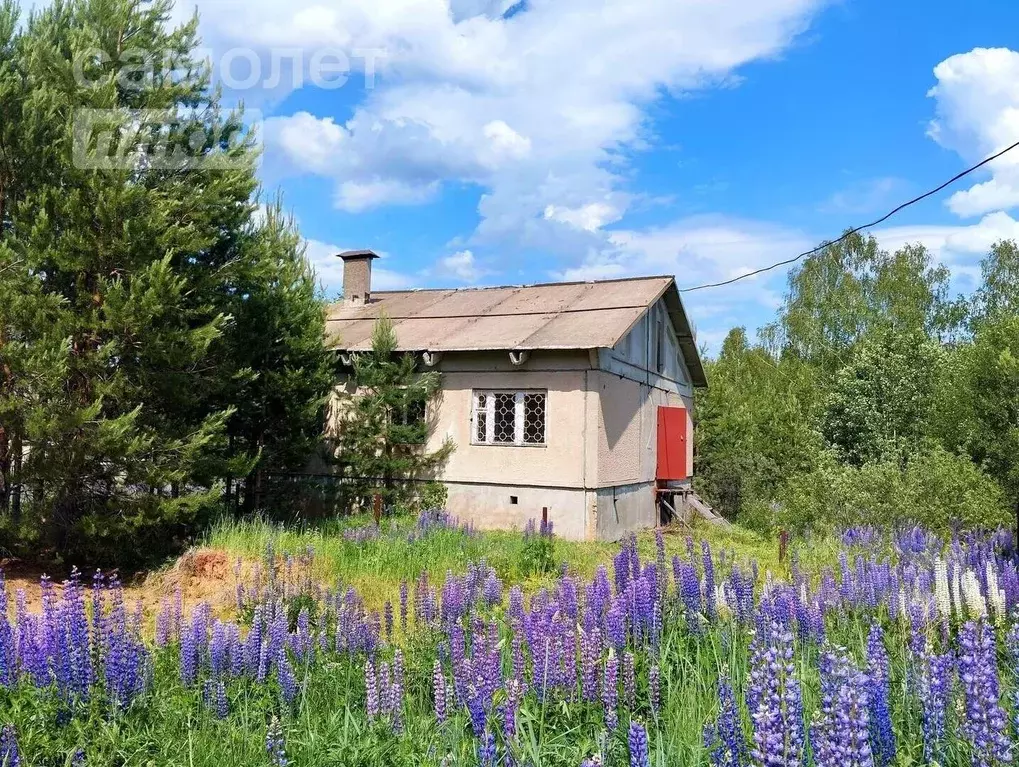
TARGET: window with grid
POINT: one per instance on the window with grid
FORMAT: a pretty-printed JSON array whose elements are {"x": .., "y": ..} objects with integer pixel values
[{"x": 509, "y": 417}]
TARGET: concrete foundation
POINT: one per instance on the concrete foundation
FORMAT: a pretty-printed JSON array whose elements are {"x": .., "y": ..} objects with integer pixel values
[
  {"x": 508, "y": 507},
  {"x": 578, "y": 514},
  {"x": 623, "y": 509}
]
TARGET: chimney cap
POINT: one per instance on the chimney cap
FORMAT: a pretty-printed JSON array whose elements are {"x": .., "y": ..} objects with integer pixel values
[{"x": 355, "y": 254}]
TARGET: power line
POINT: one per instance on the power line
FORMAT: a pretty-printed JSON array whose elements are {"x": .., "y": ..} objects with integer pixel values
[{"x": 860, "y": 228}]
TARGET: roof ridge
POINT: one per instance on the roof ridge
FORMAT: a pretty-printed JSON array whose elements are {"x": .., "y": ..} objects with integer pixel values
[{"x": 528, "y": 285}]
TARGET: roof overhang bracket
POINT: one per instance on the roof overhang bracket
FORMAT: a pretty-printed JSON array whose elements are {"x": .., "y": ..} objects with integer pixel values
[
  {"x": 519, "y": 358},
  {"x": 431, "y": 358}
]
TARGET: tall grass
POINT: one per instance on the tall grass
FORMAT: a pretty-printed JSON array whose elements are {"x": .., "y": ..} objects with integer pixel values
[{"x": 172, "y": 724}]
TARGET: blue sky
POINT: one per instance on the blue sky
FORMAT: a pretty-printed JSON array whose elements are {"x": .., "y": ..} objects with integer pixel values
[{"x": 578, "y": 139}]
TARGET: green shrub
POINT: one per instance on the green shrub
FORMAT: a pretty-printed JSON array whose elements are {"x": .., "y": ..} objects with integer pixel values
[
  {"x": 434, "y": 496},
  {"x": 933, "y": 488},
  {"x": 537, "y": 556}
]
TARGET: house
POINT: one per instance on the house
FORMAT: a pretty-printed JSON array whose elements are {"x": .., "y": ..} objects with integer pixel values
[{"x": 575, "y": 397}]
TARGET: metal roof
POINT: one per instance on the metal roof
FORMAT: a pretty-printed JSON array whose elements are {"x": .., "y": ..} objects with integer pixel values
[{"x": 562, "y": 315}]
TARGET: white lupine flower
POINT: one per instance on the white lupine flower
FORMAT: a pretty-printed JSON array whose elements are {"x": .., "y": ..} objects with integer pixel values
[
  {"x": 995, "y": 596},
  {"x": 721, "y": 602},
  {"x": 903, "y": 612},
  {"x": 941, "y": 597},
  {"x": 956, "y": 590},
  {"x": 976, "y": 607}
]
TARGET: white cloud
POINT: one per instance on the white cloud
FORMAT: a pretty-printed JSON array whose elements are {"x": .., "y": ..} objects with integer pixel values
[
  {"x": 977, "y": 107},
  {"x": 699, "y": 250},
  {"x": 538, "y": 109},
  {"x": 590, "y": 217},
  {"x": 461, "y": 265},
  {"x": 357, "y": 196}
]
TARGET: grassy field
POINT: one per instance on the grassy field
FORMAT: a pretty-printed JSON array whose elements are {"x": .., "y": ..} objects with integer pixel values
[
  {"x": 375, "y": 566},
  {"x": 575, "y": 669}
]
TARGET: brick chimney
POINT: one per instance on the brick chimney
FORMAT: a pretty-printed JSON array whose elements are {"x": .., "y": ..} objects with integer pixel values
[{"x": 357, "y": 276}]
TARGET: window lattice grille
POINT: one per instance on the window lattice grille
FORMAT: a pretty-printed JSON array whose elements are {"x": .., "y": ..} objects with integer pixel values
[
  {"x": 534, "y": 418},
  {"x": 481, "y": 418},
  {"x": 509, "y": 417},
  {"x": 505, "y": 418}
]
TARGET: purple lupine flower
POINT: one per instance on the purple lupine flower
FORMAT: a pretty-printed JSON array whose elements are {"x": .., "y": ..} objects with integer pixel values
[
  {"x": 164, "y": 620},
  {"x": 724, "y": 739},
  {"x": 655, "y": 689},
  {"x": 514, "y": 693},
  {"x": 774, "y": 700},
  {"x": 10, "y": 756},
  {"x": 841, "y": 736},
  {"x": 479, "y": 717},
  {"x": 1011, "y": 641},
  {"x": 882, "y": 736},
  {"x": 709, "y": 582},
  {"x": 629, "y": 679},
  {"x": 517, "y": 651},
  {"x": 219, "y": 648},
  {"x": 78, "y": 758},
  {"x": 439, "y": 689},
  {"x": 396, "y": 692},
  {"x": 371, "y": 688},
  {"x": 387, "y": 613},
  {"x": 189, "y": 655},
  {"x": 516, "y": 604},
  {"x": 8, "y": 655},
  {"x": 637, "y": 740},
  {"x": 235, "y": 650},
  {"x": 385, "y": 689},
  {"x": 935, "y": 689},
  {"x": 590, "y": 658},
  {"x": 615, "y": 624},
  {"x": 621, "y": 569},
  {"x": 275, "y": 745},
  {"x": 222, "y": 704},
  {"x": 491, "y": 590},
  {"x": 264, "y": 662},
  {"x": 984, "y": 725},
  {"x": 610, "y": 691},
  {"x": 690, "y": 594},
  {"x": 285, "y": 678},
  {"x": 486, "y": 751}
]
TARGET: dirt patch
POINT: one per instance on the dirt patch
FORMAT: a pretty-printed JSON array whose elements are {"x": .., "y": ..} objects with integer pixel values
[{"x": 201, "y": 575}]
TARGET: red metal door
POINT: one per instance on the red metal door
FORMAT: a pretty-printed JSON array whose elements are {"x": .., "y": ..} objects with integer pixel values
[{"x": 672, "y": 443}]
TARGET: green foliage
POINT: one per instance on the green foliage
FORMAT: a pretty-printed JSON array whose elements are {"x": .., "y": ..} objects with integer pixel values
[
  {"x": 983, "y": 417},
  {"x": 882, "y": 402},
  {"x": 383, "y": 427},
  {"x": 933, "y": 488},
  {"x": 156, "y": 339},
  {"x": 538, "y": 554},
  {"x": 433, "y": 496},
  {"x": 874, "y": 398},
  {"x": 753, "y": 425}
]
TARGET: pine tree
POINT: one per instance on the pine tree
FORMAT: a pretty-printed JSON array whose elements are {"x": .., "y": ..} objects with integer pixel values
[
  {"x": 162, "y": 333},
  {"x": 383, "y": 427}
]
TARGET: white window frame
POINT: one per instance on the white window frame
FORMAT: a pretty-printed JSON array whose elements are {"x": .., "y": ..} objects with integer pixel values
[{"x": 518, "y": 417}]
